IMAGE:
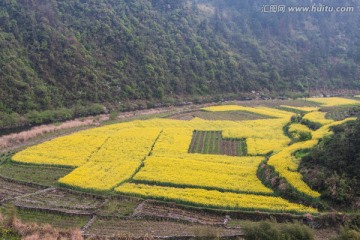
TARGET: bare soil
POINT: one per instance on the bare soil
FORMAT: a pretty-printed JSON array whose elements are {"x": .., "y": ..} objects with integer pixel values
[
  {"x": 156, "y": 229},
  {"x": 211, "y": 142},
  {"x": 153, "y": 209},
  {"x": 10, "y": 190},
  {"x": 56, "y": 200}
]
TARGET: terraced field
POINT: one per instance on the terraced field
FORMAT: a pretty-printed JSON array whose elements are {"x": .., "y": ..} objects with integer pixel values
[
  {"x": 201, "y": 162},
  {"x": 212, "y": 142}
]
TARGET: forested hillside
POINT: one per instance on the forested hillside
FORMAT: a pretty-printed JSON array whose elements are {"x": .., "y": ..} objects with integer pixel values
[{"x": 57, "y": 53}]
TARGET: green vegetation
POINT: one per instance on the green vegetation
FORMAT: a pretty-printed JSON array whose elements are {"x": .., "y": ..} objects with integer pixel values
[
  {"x": 62, "y": 55},
  {"x": 273, "y": 231},
  {"x": 14, "y": 120},
  {"x": 118, "y": 208},
  {"x": 43, "y": 175},
  {"x": 212, "y": 142},
  {"x": 333, "y": 167},
  {"x": 347, "y": 233},
  {"x": 341, "y": 112}
]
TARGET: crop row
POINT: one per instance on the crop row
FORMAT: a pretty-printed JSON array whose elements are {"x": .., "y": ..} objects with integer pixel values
[
  {"x": 213, "y": 198},
  {"x": 211, "y": 142},
  {"x": 116, "y": 161},
  {"x": 230, "y": 176}
]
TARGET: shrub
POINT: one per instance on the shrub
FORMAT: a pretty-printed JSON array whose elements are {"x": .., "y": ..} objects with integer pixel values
[
  {"x": 346, "y": 233},
  {"x": 261, "y": 231},
  {"x": 273, "y": 231},
  {"x": 296, "y": 231}
]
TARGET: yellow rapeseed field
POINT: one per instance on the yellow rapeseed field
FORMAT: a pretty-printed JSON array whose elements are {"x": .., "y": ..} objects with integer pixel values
[
  {"x": 212, "y": 198},
  {"x": 115, "y": 162},
  {"x": 333, "y": 101},
  {"x": 230, "y": 176},
  {"x": 318, "y": 117},
  {"x": 67, "y": 151},
  {"x": 272, "y": 112},
  {"x": 155, "y": 154},
  {"x": 304, "y": 109}
]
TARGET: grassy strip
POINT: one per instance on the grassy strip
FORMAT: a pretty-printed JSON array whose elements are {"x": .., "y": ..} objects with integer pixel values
[
  {"x": 243, "y": 147},
  {"x": 45, "y": 176},
  {"x": 297, "y": 111},
  {"x": 312, "y": 125},
  {"x": 261, "y": 116}
]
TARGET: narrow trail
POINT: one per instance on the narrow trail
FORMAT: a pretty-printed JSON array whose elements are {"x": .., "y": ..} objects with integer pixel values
[{"x": 88, "y": 224}]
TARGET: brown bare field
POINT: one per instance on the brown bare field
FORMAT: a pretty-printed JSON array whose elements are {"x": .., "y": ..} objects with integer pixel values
[
  {"x": 211, "y": 142},
  {"x": 227, "y": 115},
  {"x": 151, "y": 208},
  {"x": 10, "y": 190},
  {"x": 55, "y": 200},
  {"x": 156, "y": 229}
]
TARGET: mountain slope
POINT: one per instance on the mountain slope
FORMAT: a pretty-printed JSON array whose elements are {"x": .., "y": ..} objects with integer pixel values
[{"x": 57, "y": 53}]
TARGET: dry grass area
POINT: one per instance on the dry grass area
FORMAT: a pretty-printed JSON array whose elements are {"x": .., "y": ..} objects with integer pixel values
[
  {"x": 150, "y": 208},
  {"x": 56, "y": 200},
  {"x": 18, "y": 138},
  {"x": 10, "y": 190},
  {"x": 157, "y": 229}
]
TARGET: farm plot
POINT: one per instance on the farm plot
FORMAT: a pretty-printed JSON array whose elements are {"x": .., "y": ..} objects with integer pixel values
[
  {"x": 158, "y": 159},
  {"x": 115, "y": 207},
  {"x": 334, "y": 101},
  {"x": 150, "y": 208},
  {"x": 60, "y": 221},
  {"x": 140, "y": 229},
  {"x": 224, "y": 115},
  {"x": 317, "y": 117},
  {"x": 237, "y": 175},
  {"x": 60, "y": 201},
  {"x": 338, "y": 113},
  {"x": 212, "y": 142},
  {"x": 9, "y": 190},
  {"x": 117, "y": 160},
  {"x": 43, "y": 175},
  {"x": 213, "y": 199}
]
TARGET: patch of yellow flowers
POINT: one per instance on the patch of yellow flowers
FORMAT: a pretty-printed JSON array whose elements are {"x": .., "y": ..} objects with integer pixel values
[
  {"x": 115, "y": 162},
  {"x": 272, "y": 112},
  {"x": 212, "y": 198},
  {"x": 238, "y": 174},
  {"x": 155, "y": 153},
  {"x": 318, "y": 117},
  {"x": 73, "y": 150},
  {"x": 334, "y": 101}
]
